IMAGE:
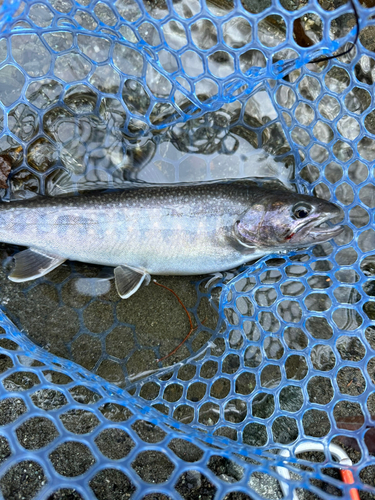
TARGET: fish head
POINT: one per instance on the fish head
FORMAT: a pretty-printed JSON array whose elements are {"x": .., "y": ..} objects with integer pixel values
[{"x": 286, "y": 221}]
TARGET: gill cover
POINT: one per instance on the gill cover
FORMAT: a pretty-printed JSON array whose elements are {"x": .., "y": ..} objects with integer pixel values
[{"x": 249, "y": 227}]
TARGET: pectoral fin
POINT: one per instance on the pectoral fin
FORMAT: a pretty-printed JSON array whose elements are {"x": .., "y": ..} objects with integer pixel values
[
  {"x": 129, "y": 279},
  {"x": 31, "y": 264}
]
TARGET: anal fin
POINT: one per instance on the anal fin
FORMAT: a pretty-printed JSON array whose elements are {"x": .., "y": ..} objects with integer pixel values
[
  {"x": 31, "y": 264},
  {"x": 129, "y": 279}
]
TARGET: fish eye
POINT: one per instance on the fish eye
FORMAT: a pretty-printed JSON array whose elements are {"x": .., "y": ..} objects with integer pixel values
[{"x": 301, "y": 211}]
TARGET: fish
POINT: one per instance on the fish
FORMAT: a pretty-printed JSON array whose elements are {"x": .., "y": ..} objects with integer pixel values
[{"x": 186, "y": 229}]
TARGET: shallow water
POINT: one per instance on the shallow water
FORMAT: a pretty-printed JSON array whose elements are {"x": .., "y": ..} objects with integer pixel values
[
  {"x": 75, "y": 311},
  {"x": 85, "y": 140}
]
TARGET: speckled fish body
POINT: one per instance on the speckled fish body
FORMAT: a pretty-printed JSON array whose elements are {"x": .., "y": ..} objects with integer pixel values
[
  {"x": 166, "y": 230},
  {"x": 180, "y": 230}
]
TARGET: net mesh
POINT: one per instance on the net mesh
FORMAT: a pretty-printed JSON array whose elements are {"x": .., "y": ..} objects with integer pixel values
[{"x": 97, "y": 94}]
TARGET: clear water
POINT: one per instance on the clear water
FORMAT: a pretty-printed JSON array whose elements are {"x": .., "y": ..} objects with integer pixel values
[{"x": 284, "y": 352}]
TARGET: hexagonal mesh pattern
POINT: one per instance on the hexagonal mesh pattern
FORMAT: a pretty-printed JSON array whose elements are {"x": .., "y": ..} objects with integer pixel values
[{"x": 96, "y": 94}]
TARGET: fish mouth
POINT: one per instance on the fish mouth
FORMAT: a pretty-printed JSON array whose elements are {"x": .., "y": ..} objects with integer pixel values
[{"x": 315, "y": 231}]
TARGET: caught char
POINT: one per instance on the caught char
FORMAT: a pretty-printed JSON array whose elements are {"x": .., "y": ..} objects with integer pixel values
[{"x": 163, "y": 230}]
